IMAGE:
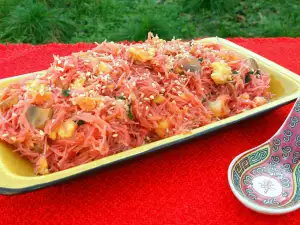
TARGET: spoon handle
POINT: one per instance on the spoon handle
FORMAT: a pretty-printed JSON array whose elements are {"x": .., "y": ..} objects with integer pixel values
[{"x": 286, "y": 142}]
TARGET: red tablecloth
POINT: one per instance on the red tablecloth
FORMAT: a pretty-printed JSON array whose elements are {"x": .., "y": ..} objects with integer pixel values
[{"x": 184, "y": 184}]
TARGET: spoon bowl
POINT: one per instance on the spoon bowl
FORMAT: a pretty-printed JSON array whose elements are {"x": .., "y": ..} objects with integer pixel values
[{"x": 266, "y": 178}]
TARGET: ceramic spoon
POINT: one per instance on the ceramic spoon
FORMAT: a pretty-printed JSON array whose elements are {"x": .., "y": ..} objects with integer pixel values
[{"x": 267, "y": 178}]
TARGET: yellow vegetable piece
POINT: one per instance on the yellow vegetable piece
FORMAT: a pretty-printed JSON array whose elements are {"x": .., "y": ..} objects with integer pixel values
[
  {"x": 87, "y": 103},
  {"x": 259, "y": 101},
  {"x": 141, "y": 55},
  {"x": 162, "y": 127},
  {"x": 42, "y": 98},
  {"x": 104, "y": 67},
  {"x": 53, "y": 135},
  {"x": 159, "y": 99},
  {"x": 42, "y": 166},
  {"x": 221, "y": 73},
  {"x": 219, "y": 107},
  {"x": 78, "y": 83},
  {"x": 8, "y": 102},
  {"x": 67, "y": 129}
]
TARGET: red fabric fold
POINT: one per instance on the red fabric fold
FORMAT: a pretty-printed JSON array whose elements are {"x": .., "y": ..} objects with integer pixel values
[{"x": 183, "y": 184}]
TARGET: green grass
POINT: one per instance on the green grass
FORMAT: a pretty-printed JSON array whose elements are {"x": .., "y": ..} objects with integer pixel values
[{"x": 70, "y": 21}]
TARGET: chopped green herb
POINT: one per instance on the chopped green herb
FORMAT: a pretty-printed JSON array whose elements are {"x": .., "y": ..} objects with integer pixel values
[
  {"x": 121, "y": 97},
  {"x": 66, "y": 92},
  {"x": 80, "y": 122},
  {"x": 200, "y": 59},
  {"x": 257, "y": 72},
  {"x": 129, "y": 113},
  {"x": 235, "y": 72},
  {"x": 250, "y": 72},
  {"x": 248, "y": 77}
]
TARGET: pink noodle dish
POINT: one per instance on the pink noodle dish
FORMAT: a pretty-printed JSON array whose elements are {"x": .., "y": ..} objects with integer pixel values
[{"x": 116, "y": 97}]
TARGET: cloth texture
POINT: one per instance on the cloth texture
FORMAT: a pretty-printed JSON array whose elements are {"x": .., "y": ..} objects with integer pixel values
[{"x": 182, "y": 184}]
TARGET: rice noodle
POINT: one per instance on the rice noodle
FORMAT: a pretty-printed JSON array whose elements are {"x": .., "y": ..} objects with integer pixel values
[{"x": 135, "y": 94}]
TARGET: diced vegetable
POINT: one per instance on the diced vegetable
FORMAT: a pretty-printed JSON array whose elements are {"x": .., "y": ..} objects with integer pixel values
[
  {"x": 104, "y": 67},
  {"x": 219, "y": 107},
  {"x": 162, "y": 127},
  {"x": 252, "y": 64},
  {"x": 38, "y": 116},
  {"x": 78, "y": 83},
  {"x": 42, "y": 166},
  {"x": 141, "y": 55},
  {"x": 188, "y": 64},
  {"x": 8, "y": 102},
  {"x": 259, "y": 101},
  {"x": 87, "y": 103},
  {"x": 159, "y": 99},
  {"x": 221, "y": 72},
  {"x": 40, "y": 99},
  {"x": 67, "y": 129}
]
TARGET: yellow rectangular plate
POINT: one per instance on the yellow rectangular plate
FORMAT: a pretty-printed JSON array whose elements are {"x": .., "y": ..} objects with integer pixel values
[{"x": 16, "y": 174}]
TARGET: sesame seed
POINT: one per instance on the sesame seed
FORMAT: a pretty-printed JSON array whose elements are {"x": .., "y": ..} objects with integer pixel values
[
  {"x": 113, "y": 103},
  {"x": 42, "y": 133},
  {"x": 59, "y": 61},
  {"x": 146, "y": 99},
  {"x": 133, "y": 84},
  {"x": 173, "y": 89},
  {"x": 13, "y": 138},
  {"x": 140, "y": 103},
  {"x": 88, "y": 73},
  {"x": 151, "y": 97},
  {"x": 147, "y": 107},
  {"x": 185, "y": 118},
  {"x": 149, "y": 114},
  {"x": 115, "y": 135},
  {"x": 4, "y": 135},
  {"x": 174, "y": 102},
  {"x": 190, "y": 105}
]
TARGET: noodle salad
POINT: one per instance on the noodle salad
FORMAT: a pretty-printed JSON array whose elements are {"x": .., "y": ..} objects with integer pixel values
[{"x": 115, "y": 97}]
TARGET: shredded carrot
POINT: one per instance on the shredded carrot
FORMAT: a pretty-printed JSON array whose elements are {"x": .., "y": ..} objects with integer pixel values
[{"x": 116, "y": 97}]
